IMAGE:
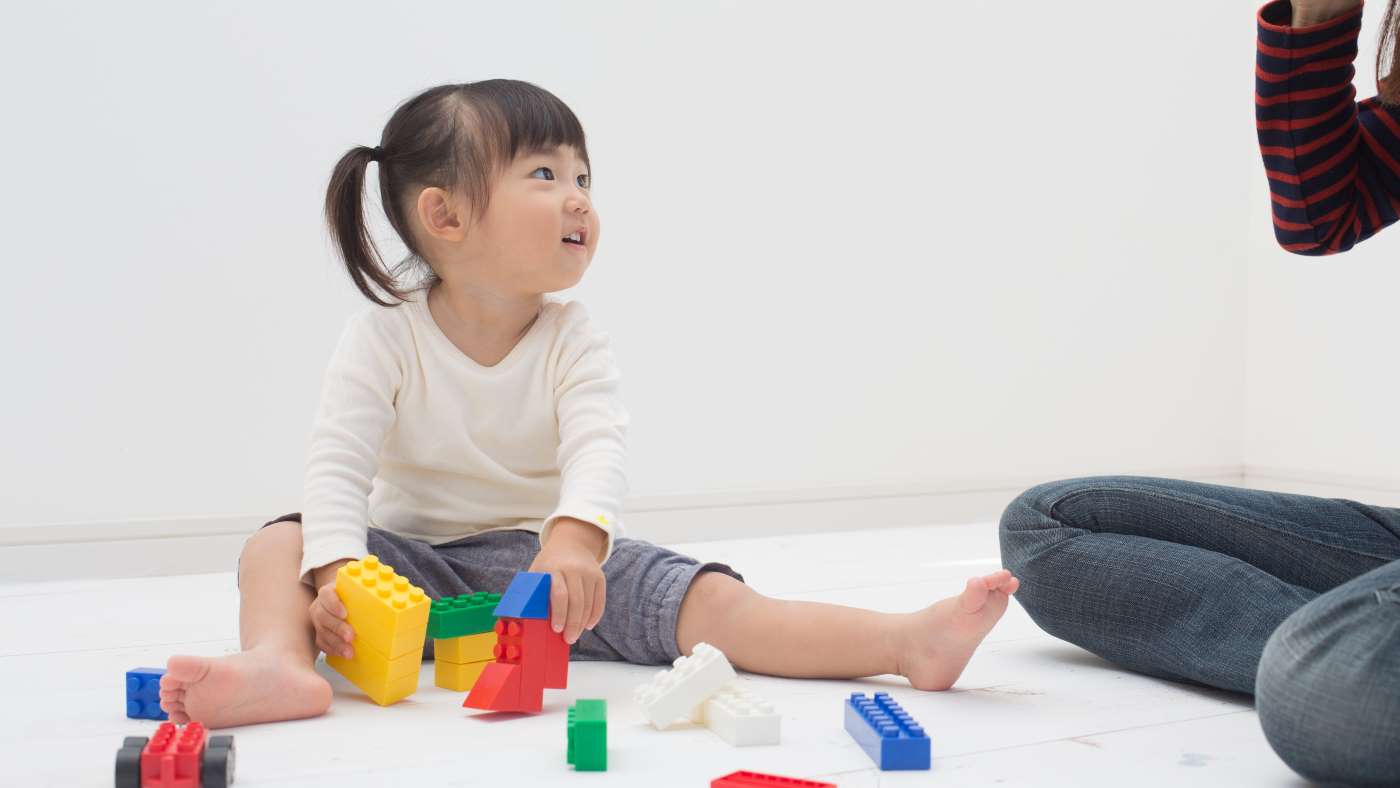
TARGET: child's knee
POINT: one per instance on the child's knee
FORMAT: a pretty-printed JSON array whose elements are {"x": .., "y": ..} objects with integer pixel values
[
  {"x": 272, "y": 540},
  {"x": 715, "y": 591}
]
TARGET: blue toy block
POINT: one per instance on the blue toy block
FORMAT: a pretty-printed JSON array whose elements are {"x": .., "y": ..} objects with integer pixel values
[
  {"x": 886, "y": 732},
  {"x": 526, "y": 597},
  {"x": 143, "y": 694}
]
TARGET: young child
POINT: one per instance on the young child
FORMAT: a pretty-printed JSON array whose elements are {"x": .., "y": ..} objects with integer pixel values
[{"x": 470, "y": 428}]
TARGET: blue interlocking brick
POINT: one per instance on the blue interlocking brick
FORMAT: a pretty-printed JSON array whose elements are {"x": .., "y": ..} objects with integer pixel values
[
  {"x": 886, "y": 732},
  {"x": 143, "y": 694},
  {"x": 527, "y": 596}
]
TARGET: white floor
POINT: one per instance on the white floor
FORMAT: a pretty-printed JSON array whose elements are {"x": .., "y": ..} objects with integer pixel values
[{"x": 1030, "y": 710}]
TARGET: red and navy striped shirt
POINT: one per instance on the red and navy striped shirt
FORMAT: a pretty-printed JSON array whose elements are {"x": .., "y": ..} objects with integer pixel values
[{"x": 1333, "y": 163}]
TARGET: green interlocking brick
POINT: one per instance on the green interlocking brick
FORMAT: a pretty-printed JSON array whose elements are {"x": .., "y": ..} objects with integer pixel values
[
  {"x": 468, "y": 614},
  {"x": 588, "y": 736}
]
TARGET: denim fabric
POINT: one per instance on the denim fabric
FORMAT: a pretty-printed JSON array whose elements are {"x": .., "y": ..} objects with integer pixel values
[
  {"x": 1190, "y": 581},
  {"x": 645, "y": 585}
]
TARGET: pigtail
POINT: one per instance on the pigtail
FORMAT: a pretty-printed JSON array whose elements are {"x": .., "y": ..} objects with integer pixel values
[{"x": 345, "y": 214}]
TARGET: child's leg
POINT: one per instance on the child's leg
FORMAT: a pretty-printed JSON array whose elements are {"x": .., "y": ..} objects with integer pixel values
[
  {"x": 273, "y": 677},
  {"x": 814, "y": 640}
]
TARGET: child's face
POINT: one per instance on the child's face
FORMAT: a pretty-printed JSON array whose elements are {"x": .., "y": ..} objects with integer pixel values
[{"x": 536, "y": 202}]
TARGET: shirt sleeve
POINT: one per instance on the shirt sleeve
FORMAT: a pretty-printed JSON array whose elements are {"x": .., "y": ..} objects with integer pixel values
[
  {"x": 355, "y": 414},
  {"x": 1331, "y": 161},
  {"x": 593, "y": 425}
]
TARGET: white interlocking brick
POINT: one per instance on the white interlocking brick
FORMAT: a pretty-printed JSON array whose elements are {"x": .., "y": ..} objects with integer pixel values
[
  {"x": 672, "y": 695},
  {"x": 741, "y": 717}
]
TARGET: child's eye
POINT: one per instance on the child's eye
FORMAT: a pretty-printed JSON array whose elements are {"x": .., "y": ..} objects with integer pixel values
[{"x": 584, "y": 180}]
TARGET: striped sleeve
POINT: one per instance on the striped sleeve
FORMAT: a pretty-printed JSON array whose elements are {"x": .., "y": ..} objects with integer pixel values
[{"x": 1333, "y": 164}]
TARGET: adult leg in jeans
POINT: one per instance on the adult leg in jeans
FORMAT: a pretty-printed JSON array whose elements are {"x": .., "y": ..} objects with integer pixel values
[
  {"x": 1328, "y": 691},
  {"x": 1183, "y": 580}
]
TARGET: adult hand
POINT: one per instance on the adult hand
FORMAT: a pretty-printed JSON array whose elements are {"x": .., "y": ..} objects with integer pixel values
[{"x": 1315, "y": 12}]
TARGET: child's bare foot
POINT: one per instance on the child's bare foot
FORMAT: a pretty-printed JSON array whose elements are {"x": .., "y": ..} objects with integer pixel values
[
  {"x": 259, "y": 685},
  {"x": 938, "y": 641}
]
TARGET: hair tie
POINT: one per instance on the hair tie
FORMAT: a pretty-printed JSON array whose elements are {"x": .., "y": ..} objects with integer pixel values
[{"x": 376, "y": 154}]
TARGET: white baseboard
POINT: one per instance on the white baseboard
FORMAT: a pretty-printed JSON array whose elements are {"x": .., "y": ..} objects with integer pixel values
[
  {"x": 1374, "y": 490},
  {"x": 193, "y": 545}
]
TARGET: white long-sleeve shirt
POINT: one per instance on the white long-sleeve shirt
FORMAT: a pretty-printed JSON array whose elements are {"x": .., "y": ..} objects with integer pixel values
[{"x": 413, "y": 436}]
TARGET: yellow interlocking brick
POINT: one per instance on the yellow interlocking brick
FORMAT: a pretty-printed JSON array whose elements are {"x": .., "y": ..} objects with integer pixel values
[
  {"x": 458, "y": 676},
  {"x": 384, "y": 609},
  {"x": 390, "y": 619},
  {"x": 468, "y": 648},
  {"x": 384, "y": 680}
]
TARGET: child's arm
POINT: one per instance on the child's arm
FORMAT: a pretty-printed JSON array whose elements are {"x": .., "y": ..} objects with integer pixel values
[
  {"x": 354, "y": 417},
  {"x": 592, "y": 458},
  {"x": 1333, "y": 164}
]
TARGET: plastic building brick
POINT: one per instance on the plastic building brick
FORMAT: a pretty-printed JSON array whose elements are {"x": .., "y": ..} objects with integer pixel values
[
  {"x": 529, "y": 655},
  {"x": 527, "y": 596},
  {"x": 886, "y": 732},
  {"x": 468, "y": 648},
  {"x": 521, "y": 645},
  {"x": 143, "y": 694},
  {"x": 458, "y": 662},
  {"x": 457, "y": 676},
  {"x": 497, "y": 689},
  {"x": 390, "y": 618},
  {"x": 386, "y": 681},
  {"x": 741, "y": 718},
  {"x": 587, "y": 728},
  {"x": 175, "y": 758},
  {"x": 672, "y": 695},
  {"x": 468, "y": 614},
  {"x": 758, "y": 780},
  {"x": 522, "y": 641},
  {"x": 386, "y": 610},
  {"x": 556, "y": 657}
]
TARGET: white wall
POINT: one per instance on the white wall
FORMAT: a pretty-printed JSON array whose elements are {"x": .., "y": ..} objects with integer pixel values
[
  {"x": 1323, "y": 379},
  {"x": 842, "y": 243}
]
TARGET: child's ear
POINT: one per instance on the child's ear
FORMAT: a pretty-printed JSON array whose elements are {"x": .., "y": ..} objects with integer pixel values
[{"x": 440, "y": 215}]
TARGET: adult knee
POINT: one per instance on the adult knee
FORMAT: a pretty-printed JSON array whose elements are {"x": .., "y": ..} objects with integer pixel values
[
  {"x": 1324, "y": 701},
  {"x": 1027, "y": 526}
]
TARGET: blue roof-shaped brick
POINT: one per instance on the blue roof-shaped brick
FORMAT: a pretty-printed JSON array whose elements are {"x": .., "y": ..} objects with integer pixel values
[
  {"x": 526, "y": 597},
  {"x": 886, "y": 732}
]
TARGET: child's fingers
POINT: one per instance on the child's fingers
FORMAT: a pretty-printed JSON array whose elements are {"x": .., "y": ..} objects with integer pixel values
[
  {"x": 331, "y": 644},
  {"x": 578, "y": 604},
  {"x": 331, "y": 601},
  {"x": 600, "y": 598},
  {"x": 558, "y": 601},
  {"x": 332, "y": 630}
]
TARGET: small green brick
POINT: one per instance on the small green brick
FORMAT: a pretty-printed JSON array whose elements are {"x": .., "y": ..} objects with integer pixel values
[
  {"x": 468, "y": 614},
  {"x": 588, "y": 736}
]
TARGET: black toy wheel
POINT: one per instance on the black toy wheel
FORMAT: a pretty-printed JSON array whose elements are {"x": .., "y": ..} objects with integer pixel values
[
  {"x": 217, "y": 769},
  {"x": 219, "y": 741},
  {"x": 129, "y": 765},
  {"x": 139, "y": 742}
]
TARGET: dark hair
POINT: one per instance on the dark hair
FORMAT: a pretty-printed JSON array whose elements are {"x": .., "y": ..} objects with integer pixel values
[
  {"x": 1387, "y": 73},
  {"x": 455, "y": 137}
]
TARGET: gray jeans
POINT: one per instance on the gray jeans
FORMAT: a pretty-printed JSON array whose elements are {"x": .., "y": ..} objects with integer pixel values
[
  {"x": 1292, "y": 598},
  {"x": 645, "y": 585}
]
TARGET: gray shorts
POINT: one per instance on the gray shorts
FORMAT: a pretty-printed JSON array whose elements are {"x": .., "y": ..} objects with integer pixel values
[{"x": 646, "y": 584}]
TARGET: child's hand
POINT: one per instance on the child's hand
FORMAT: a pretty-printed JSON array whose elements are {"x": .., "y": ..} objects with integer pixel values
[
  {"x": 577, "y": 588},
  {"x": 333, "y": 632}
]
